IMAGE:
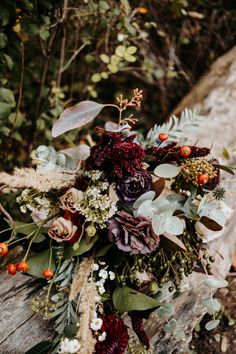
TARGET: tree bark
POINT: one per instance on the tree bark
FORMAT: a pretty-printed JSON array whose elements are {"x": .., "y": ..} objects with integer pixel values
[{"x": 215, "y": 97}]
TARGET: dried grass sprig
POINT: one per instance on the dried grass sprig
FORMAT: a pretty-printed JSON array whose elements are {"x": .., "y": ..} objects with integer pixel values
[
  {"x": 42, "y": 181},
  {"x": 82, "y": 272},
  {"x": 87, "y": 308}
]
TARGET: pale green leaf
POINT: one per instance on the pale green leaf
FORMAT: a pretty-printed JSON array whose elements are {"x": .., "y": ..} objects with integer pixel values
[{"x": 167, "y": 170}]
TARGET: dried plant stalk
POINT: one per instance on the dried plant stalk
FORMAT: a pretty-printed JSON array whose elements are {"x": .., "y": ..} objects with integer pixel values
[
  {"x": 87, "y": 308},
  {"x": 82, "y": 272},
  {"x": 42, "y": 181}
]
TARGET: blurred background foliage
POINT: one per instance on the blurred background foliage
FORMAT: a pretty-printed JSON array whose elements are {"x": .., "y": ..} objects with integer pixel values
[{"x": 54, "y": 54}]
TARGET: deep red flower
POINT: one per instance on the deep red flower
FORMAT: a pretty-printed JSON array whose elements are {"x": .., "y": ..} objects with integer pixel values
[
  {"x": 77, "y": 220},
  {"x": 170, "y": 153},
  {"x": 116, "y": 153},
  {"x": 117, "y": 337}
]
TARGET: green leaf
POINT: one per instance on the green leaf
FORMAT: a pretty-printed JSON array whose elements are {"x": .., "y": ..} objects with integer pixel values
[
  {"x": 120, "y": 51},
  {"x": 9, "y": 61},
  {"x": 43, "y": 347},
  {"x": 44, "y": 33},
  {"x": 224, "y": 168},
  {"x": 212, "y": 324},
  {"x": 17, "y": 120},
  {"x": 104, "y": 75},
  {"x": 83, "y": 247},
  {"x": 96, "y": 77},
  {"x": 103, "y": 250},
  {"x": 166, "y": 170},
  {"x": 7, "y": 96},
  {"x": 126, "y": 299},
  {"x": 126, "y": 6},
  {"x": 105, "y": 58},
  {"x": 130, "y": 58},
  {"x": 39, "y": 262},
  {"x": 216, "y": 283},
  {"x": 131, "y": 50},
  {"x": 5, "y": 109},
  {"x": 3, "y": 40},
  {"x": 103, "y": 6},
  {"x": 113, "y": 68}
]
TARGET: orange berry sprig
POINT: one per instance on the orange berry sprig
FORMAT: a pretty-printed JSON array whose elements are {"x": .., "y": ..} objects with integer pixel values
[
  {"x": 3, "y": 248},
  {"x": 48, "y": 274},
  {"x": 11, "y": 269},
  {"x": 185, "y": 151}
]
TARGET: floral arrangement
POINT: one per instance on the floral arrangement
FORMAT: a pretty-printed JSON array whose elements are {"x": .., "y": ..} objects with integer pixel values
[{"x": 117, "y": 221}]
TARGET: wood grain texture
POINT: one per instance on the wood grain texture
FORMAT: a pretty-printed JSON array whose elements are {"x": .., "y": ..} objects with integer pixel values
[{"x": 215, "y": 96}]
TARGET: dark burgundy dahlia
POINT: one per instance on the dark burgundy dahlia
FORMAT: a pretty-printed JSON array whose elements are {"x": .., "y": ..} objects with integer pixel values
[
  {"x": 129, "y": 188},
  {"x": 116, "y": 153},
  {"x": 133, "y": 235},
  {"x": 117, "y": 337}
]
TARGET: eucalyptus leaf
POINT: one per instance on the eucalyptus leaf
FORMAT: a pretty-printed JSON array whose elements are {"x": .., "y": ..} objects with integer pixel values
[
  {"x": 166, "y": 170},
  {"x": 224, "y": 168},
  {"x": 174, "y": 226},
  {"x": 146, "y": 209},
  {"x": 126, "y": 299},
  {"x": 212, "y": 324},
  {"x": 166, "y": 310},
  {"x": 212, "y": 305},
  {"x": 170, "y": 326},
  {"x": 210, "y": 224},
  {"x": 76, "y": 117},
  {"x": 83, "y": 247},
  {"x": 216, "y": 283},
  {"x": 146, "y": 196}
]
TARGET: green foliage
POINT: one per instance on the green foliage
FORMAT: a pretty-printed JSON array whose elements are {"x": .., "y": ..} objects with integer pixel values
[
  {"x": 126, "y": 299},
  {"x": 40, "y": 262}
]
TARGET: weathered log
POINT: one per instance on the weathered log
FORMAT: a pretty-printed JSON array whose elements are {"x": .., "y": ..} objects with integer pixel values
[{"x": 215, "y": 97}]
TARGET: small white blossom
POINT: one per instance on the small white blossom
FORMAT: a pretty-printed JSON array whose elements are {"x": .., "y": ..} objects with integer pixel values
[
  {"x": 121, "y": 37},
  {"x": 103, "y": 274},
  {"x": 95, "y": 266},
  {"x": 102, "y": 337},
  {"x": 69, "y": 346},
  {"x": 101, "y": 290},
  {"x": 112, "y": 275},
  {"x": 96, "y": 324},
  {"x": 100, "y": 282}
]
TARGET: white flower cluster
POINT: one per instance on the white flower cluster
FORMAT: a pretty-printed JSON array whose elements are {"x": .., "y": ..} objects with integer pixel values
[
  {"x": 96, "y": 206},
  {"x": 38, "y": 203},
  {"x": 69, "y": 346},
  {"x": 96, "y": 325},
  {"x": 103, "y": 274}
]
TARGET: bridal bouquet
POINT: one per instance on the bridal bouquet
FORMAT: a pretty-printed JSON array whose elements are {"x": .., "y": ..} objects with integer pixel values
[{"x": 116, "y": 222}]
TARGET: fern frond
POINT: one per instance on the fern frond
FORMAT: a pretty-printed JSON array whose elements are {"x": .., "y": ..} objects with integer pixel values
[{"x": 176, "y": 128}]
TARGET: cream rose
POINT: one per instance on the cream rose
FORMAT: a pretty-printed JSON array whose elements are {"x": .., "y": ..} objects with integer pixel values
[
  {"x": 71, "y": 199},
  {"x": 62, "y": 230}
]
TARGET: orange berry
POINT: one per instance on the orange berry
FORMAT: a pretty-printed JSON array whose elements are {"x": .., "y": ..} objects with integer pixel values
[
  {"x": 48, "y": 274},
  {"x": 3, "y": 248},
  {"x": 185, "y": 151},
  {"x": 142, "y": 10},
  {"x": 203, "y": 179},
  {"x": 22, "y": 267},
  {"x": 163, "y": 136},
  {"x": 11, "y": 269}
]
